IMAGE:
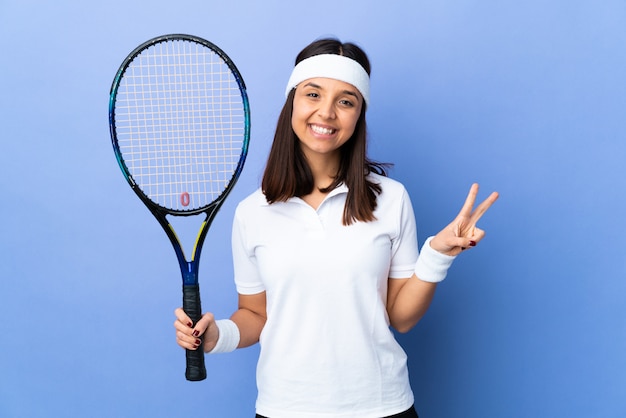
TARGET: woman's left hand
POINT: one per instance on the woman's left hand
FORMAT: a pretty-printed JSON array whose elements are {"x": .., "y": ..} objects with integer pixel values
[{"x": 462, "y": 232}]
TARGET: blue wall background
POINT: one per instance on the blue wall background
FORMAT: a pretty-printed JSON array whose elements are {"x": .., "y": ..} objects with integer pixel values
[{"x": 527, "y": 98}]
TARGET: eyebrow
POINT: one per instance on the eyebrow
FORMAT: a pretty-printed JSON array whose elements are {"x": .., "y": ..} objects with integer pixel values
[{"x": 348, "y": 92}]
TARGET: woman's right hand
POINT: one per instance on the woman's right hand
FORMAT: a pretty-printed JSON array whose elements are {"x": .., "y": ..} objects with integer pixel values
[{"x": 190, "y": 337}]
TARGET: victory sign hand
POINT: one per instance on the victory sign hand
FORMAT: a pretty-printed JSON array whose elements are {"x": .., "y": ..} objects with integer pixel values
[{"x": 462, "y": 232}]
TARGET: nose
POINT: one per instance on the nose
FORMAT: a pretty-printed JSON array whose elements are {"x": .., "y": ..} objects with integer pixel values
[{"x": 326, "y": 109}]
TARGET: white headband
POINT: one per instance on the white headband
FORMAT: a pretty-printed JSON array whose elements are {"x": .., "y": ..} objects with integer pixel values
[{"x": 333, "y": 66}]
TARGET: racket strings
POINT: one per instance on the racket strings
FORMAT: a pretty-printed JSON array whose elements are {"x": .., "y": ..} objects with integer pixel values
[{"x": 180, "y": 124}]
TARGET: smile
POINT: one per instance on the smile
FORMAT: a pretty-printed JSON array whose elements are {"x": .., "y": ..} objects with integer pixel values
[{"x": 322, "y": 130}]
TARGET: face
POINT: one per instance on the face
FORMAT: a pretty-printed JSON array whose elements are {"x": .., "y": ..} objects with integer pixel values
[{"x": 325, "y": 113}]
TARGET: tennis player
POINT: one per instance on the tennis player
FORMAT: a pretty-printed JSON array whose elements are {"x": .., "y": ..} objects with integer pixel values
[{"x": 326, "y": 256}]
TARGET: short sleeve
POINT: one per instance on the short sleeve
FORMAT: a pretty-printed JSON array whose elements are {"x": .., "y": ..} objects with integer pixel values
[
  {"x": 247, "y": 278},
  {"x": 404, "y": 247}
]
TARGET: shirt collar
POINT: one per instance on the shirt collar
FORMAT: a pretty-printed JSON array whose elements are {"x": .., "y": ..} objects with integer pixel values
[{"x": 341, "y": 189}]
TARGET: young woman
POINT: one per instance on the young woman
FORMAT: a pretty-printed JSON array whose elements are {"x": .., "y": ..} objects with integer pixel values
[{"x": 326, "y": 257}]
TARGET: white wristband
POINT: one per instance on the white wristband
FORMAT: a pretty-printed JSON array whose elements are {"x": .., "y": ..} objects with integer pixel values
[
  {"x": 432, "y": 266},
  {"x": 228, "y": 338}
]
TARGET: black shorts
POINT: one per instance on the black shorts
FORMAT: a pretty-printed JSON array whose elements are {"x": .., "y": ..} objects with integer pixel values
[{"x": 409, "y": 413}]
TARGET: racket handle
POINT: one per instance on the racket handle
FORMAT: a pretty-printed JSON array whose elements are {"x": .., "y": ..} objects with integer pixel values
[{"x": 195, "y": 358}]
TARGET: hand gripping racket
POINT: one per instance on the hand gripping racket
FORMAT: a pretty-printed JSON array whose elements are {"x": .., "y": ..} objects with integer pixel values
[{"x": 180, "y": 125}]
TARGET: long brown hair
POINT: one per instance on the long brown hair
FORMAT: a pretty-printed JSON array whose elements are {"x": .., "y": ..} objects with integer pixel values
[{"x": 287, "y": 173}]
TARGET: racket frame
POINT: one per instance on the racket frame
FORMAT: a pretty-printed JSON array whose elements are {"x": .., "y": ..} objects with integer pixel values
[{"x": 195, "y": 370}]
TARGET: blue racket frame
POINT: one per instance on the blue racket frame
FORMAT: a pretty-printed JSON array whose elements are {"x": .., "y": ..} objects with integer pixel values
[{"x": 196, "y": 369}]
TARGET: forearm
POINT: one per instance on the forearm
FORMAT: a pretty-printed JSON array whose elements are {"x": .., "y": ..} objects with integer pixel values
[
  {"x": 250, "y": 325},
  {"x": 250, "y": 318},
  {"x": 409, "y": 299}
]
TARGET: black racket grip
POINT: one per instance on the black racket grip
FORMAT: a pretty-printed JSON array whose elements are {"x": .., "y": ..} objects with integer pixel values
[{"x": 196, "y": 370}]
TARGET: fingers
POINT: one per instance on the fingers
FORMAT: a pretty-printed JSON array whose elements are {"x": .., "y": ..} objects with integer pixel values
[
  {"x": 182, "y": 317},
  {"x": 189, "y": 336},
  {"x": 482, "y": 208},
  {"x": 471, "y": 241},
  {"x": 466, "y": 210},
  {"x": 462, "y": 233}
]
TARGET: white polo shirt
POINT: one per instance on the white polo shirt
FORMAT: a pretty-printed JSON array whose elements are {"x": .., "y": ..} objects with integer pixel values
[{"x": 326, "y": 348}]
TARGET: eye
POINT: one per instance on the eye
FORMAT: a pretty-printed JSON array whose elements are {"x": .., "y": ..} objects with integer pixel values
[
  {"x": 346, "y": 103},
  {"x": 313, "y": 94}
]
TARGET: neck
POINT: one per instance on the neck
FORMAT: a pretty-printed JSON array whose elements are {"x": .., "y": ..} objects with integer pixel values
[{"x": 324, "y": 169}]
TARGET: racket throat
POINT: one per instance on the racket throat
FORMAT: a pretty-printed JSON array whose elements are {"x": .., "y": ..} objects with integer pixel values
[{"x": 189, "y": 273}]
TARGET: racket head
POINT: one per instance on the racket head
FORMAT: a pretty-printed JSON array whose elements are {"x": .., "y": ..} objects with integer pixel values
[{"x": 180, "y": 123}]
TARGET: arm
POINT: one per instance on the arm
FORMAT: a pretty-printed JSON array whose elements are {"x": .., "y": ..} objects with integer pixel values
[
  {"x": 409, "y": 299},
  {"x": 249, "y": 317}
]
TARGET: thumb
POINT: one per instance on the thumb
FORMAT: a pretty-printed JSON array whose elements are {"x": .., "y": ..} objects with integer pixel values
[{"x": 203, "y": 324}]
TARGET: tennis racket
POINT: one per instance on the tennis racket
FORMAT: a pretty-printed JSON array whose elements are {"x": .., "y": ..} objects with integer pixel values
[{"x": 180, "y": 125}]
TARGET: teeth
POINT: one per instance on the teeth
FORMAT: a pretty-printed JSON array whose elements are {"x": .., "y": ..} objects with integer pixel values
[{"x": 321, "y": 130}]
